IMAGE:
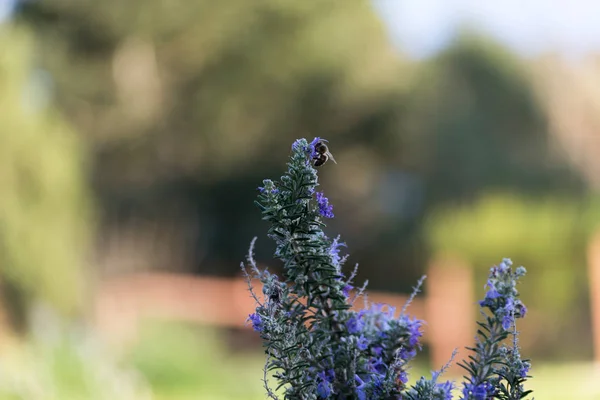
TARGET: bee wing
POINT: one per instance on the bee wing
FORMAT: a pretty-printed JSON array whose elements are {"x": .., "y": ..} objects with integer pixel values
[{"x": 331, "y": 157}]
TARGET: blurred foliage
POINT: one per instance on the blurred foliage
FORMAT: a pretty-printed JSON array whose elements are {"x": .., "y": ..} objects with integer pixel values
[
  {"x": 62, "y": 361},
  {"x": 194, "y": 363},
  {"x": 201, "y": 85},
  {"x": 547, "y": 235},
  {"x": 186, "y": 107},
  {"x": 475, "y": 125},
  {"x": 43, "y": 202}
]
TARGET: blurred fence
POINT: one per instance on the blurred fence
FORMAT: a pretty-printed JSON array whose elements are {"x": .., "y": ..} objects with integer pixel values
[
  {"x": 123, "y": 302},
  {"x": 447, "y": 305},
  {"x": 594, "y": 284}
]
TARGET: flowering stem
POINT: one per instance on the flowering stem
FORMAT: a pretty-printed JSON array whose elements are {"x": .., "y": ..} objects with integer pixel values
[{"x": 318, "y": 348}]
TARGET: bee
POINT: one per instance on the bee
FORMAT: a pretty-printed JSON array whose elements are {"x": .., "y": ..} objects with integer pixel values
[
  {"x": 275, "y": 295},
  {"x": 322, "y": 154}
]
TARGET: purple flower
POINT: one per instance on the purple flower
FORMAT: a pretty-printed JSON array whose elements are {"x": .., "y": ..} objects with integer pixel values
[
  {"x": 415, "y": 333},
  {"x": 524, "y": 370},
  {"x": 509, "y": 306},
  {"x": 507, "y": 313},
  {"x": 324, "y": 386},
  {"x": 297, "y": 145},
  {"x": 445, "y": 389},
  {"x": 380, "y": 318},
  {"x": 323, "y": 389},
  {"x": 406, "y": 354},
  {"x": 334, "y": 250},
  {"x": 483, "y": 391},
  {"x": 389, "y": 314},
  {"x": 257, "y": 322},
  {"x": 506, "y": 322},
  {"x": 361, "y": 388},
  {"x": 377, "y": 350},
  {"x": 378, "y": 381},
  {"x": 354, "y": 324},
  {"x": 485, "y": 303},
  {"x": 363, "y": 343},
  {"x": 346, "y": 289},
  {"x": 312, "y": 145},
  {"x": 492, "y": 293},
  {"x": 376, "y": 308},
  {"x": 325, "y": 209},
  {"x": 505, "y": 265},
  {"x": 273, "y": 191},
  {"x": 377, "y": 365},
  {"x": 501, "y": 297},
  {"x": 403, "y": 377},
  {"x": 414, "y": 330}
]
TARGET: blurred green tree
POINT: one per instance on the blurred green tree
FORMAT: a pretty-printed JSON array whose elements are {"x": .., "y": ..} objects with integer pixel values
[
  {"x": 497, "y": 187},
  {"x": 187, "y": 105},
  {"x": 44, "y": 212},
  {"x": 475, "y": 124},
  {"x": 470, "y": 123}
]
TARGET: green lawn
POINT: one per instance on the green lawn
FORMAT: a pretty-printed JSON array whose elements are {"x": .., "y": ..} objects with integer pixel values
[
  {"x": 176, "y": 362},
  {"x": 215, "y": 376}
]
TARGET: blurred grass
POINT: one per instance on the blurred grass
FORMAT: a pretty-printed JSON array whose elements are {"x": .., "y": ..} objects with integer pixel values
[
  {"x": 183, "y": 362},
  {"x": 563, "y": 381},
  {"x": 566, "y": 381}
]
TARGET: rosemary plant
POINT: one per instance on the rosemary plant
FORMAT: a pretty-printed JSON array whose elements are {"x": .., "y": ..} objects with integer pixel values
[{"x": 318, "y": 347}]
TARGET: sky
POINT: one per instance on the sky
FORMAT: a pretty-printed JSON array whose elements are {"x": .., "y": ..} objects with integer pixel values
[
  {"x": 5, "y": 9},
  {"x": 530, "y": 27}
]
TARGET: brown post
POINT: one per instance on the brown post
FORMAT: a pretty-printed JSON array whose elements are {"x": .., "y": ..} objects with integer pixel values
[
  {"x": 594, "y": 281},
  {"x": 450, "y": 309}
]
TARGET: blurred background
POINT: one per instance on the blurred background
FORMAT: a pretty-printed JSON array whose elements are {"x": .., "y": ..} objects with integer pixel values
[{"x": 133, "y": 136}]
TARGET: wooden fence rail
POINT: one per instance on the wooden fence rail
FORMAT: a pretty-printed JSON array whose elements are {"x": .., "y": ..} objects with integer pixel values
[
  {"x": 594, "y": 285},
  {"x": 122, "y": 302}
]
